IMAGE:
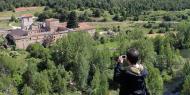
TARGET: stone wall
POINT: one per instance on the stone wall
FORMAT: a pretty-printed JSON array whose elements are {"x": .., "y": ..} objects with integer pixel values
[{"x": 26, "y": 22}]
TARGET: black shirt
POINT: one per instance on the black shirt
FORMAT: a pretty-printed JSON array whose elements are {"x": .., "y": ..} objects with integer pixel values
[{"x": 130, "y": 83}]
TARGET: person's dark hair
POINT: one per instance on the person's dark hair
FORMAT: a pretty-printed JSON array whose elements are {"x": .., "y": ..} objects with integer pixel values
[{"x": 133, "y": 55}]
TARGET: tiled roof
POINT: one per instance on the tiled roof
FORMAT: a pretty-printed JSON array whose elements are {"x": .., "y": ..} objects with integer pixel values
[
  {"x": 52, "y": 19},
  {"x": 26, "y": 16},
  {"x": 24, "y": 9},
  {"x": 1, "y": 30},
  {"x": 17, "y": 32}
]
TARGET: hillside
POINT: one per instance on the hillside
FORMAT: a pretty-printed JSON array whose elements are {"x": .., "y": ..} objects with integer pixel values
[{"x": 80, "y": 63}]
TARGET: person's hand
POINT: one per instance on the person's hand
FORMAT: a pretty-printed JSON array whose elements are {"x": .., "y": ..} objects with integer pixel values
[{"x": 120, "y": 60}]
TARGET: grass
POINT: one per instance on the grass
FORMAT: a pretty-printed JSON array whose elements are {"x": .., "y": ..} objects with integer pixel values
[
  {"x": 4, "y": 24},
  {"x": 160, "y": 13},
  {"x": 18, "y": 14},
  {"x": 16, "y": 24},
  {"x": 110, "y": 45},
  {"x": 123, "y": 25},
  {"x": 100, "y": 25}
]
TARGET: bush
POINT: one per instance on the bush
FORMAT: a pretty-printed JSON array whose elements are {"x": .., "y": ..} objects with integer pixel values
[
  {"x": 164, "y": 24},
  {"x": 184, "y": 17},
  {"x": 147, "y": 25},
  {"x": 186, "y": 86},
  {"x": 13, "y": 19},
  {"x": 97, "y": 12},
  {"x": 136, "y": 18},
  {"x": 151, "y": 32},
  {"x": 103, "y": 40},
  {"x": 166, "y": 77},
  {"x": 169, "y": 17},
  {"x": 162, "y": 30},
  {"x": 116, "y": 17}
]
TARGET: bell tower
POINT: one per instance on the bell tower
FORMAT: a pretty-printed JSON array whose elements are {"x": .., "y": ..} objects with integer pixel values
[{"x": 26, "y": 21}]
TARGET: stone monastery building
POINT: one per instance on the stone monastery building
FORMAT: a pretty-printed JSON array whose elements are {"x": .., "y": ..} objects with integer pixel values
[{"x": 32, "y": 32}]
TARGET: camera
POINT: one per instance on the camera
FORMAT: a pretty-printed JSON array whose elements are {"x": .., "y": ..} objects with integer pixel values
[
  {"x": 124, "y": 56},
  {"x": 116, "y": 58}
]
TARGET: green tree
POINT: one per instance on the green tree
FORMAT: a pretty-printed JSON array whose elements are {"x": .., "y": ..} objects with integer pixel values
[
  {"x": 38, "y": 51},
  {"x": 154, "y": 81},
  {"x": 158, "y": 42},
  {"x": 45, "y": 15},
  {"x": 135, "y": 35},
  {"x": 95, "y": 84},
  {"x": 84, "y": 17},
  {"x": 186, "y": 86},
  {"x": 13, "y": 18},
  {"x": 27, "y": 90},
  {"x": 104, "y": 84},
  {"x": 183, "y": 36},
  {"x": 74, "y": 52},
  {"x": 31, "y": 69},
  {"x": 63, "y": 16},
  {"x": 99, "y": 84},
  {"x": 72, "y": 20},
  {"x": 96, "y": 36},
  {"x": 2, "y": 41},
  {"x": 7, "y": 86},
  {"x": 97, "y": 12},
  {"x": 186, "y": 68},
  {"x": 103, "y": 40},
  {"x": 41, "y": 83},
  {"x": 116, "y": 17},
  {"x": 101, "y": 61},
  {"x": 146, "y": 48}
]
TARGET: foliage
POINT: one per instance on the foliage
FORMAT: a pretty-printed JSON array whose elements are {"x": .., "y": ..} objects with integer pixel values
[
  {"x": 2, "y": 40},
  {"x": 75, "y": 53},
  {"x": 154, "y": 81},
  {"x": 186, "y": 68},
  {"x": 186, "y": 86},
  {"x": 72, "y": 20},
  {"x": 146, "y": 49},
  {"x": 13, "y": 19},
  {"x": 185, "y": 89},
  {"x": 123, "y": 8},
  {"x": 183, "y": 35},
  {"x": 97, "y": 12},
  {"x": 38, "y": 51},
  {"x": 75, "y": 65}
]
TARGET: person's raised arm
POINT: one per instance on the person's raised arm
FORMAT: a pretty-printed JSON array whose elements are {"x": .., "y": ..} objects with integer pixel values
[{"x": 117, "y": 70}]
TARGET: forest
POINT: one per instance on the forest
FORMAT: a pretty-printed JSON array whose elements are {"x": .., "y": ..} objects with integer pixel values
[
  {"x": 80, "y": 64},
  {"x": 74, "y": 65},
  {"x": 124, "y": 8}
]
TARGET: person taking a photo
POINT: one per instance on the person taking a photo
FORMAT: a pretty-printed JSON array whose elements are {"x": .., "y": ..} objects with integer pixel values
[{"x": 130, "y": 74}]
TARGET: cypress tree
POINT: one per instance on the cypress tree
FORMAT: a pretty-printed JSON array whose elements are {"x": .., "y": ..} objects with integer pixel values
[{"x": 72, "y": 20}]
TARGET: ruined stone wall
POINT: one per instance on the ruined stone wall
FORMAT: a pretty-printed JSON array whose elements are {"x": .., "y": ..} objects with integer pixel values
[{"x": 26, "y": 22}]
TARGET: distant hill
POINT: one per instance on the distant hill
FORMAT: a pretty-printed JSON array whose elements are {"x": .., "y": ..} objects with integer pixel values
[{"x": 129, "y": 7}]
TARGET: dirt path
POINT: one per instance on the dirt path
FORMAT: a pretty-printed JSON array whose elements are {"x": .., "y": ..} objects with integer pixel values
[{"x": 14, "y": 27}]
